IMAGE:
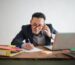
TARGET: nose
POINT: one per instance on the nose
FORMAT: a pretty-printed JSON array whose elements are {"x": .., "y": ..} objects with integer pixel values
[{"x": 36, "y": 28}]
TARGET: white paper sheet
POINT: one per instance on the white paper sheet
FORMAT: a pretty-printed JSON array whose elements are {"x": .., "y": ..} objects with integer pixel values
[{"x": 32, "y": 50}]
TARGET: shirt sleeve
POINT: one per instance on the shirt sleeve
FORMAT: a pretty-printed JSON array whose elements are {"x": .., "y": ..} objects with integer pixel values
[{"x": 18, "y": 40}]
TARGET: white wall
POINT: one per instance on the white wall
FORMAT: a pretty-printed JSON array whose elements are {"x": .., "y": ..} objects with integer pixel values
[{"x": 15, "y": 13}]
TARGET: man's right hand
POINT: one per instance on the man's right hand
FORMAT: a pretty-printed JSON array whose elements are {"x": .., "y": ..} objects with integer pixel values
[{"x": 28, "y": 46}]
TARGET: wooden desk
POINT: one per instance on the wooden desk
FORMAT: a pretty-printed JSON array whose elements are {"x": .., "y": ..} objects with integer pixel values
[
  {"x": 38, "y": 58},
  {"x": 45, "y": 54}
]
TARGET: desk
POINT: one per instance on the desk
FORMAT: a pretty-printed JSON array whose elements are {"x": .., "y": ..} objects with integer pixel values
[
  {"x": 38, "y": 58},
  {"x": 45, "y": 54}
]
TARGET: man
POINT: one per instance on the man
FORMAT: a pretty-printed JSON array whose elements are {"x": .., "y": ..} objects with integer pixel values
[{"x": 34, "y": 34}]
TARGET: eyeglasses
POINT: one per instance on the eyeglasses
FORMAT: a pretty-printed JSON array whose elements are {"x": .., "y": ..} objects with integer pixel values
[{"x": 35, "y": 25}]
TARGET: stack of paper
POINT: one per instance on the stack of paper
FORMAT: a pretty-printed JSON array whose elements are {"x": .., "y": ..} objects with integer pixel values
[{"x": 7, "y": 50}]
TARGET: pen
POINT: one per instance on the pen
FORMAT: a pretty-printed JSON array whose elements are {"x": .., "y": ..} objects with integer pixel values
[{"x": 28, "y": 40}]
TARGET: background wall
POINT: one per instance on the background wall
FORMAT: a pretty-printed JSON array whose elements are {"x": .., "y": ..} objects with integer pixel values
[{"x": 15, "y": 13}]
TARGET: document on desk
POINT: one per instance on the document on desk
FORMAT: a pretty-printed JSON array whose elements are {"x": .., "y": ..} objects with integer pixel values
[{"x": 32, "y": 50}]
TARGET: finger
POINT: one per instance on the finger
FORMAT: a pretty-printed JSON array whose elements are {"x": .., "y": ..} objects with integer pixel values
[
  {"x": 46, "y": 31},
  {"x": 46, "y": 27}
]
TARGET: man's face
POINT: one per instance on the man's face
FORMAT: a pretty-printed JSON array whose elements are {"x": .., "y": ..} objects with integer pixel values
[{"x": 37, "y": 24}]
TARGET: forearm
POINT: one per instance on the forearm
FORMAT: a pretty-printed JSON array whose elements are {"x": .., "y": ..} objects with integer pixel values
[{"x": 17, "y": 43}]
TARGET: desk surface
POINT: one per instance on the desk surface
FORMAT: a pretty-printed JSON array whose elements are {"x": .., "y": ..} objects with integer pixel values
[{"x": 45, "y": 54}]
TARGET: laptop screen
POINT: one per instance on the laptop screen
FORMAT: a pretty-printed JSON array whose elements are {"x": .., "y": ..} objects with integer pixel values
[{"x": 64, "y": 41}]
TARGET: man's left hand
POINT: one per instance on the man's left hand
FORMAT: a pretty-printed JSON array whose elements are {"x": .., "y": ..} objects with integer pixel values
[{"x": 46, "y": 29}]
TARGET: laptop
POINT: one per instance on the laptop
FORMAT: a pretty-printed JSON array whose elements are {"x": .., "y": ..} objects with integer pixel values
[{"x": 63, "y": 41}]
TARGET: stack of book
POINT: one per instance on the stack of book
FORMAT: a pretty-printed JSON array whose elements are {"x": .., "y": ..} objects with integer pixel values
[{"x": 9, "y": 50}]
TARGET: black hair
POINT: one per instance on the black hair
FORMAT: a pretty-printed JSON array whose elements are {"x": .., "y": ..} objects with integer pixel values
[{"x": 39, "y": 15}]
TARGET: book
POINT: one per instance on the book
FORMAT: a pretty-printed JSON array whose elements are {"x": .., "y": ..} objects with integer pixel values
[{"x": 9, "y": 50}]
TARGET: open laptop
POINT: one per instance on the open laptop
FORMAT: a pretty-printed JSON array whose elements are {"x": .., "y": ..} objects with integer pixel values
[{"x": 63, "y": 41}]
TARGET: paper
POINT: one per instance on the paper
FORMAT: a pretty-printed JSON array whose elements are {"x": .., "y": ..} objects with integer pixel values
[
  {"x": 16, "y": 53},
  {"x": 49, "y": 47},
  {"x": 32, "y": 50}
]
